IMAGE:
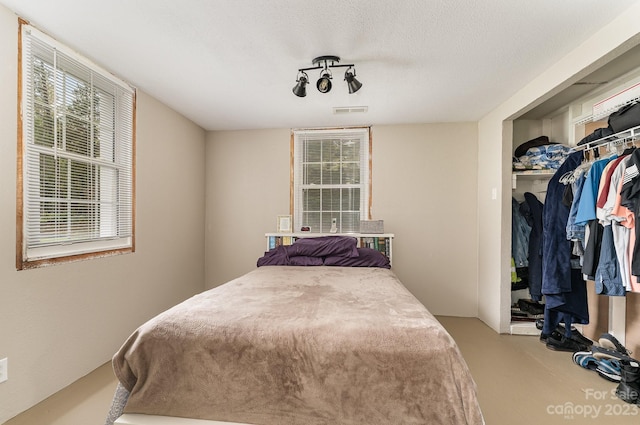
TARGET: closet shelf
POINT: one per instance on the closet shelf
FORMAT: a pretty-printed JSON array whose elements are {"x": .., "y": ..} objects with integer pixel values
[
  {"x": 614, "y": 140},
  {"x": 548, "y": 172},
  {"x": 607, "y": 106},
  {"x": 530, "y": 174}
]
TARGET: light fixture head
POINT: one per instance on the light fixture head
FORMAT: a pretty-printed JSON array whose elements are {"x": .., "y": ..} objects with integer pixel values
[
  {"x": 353, "y": 84},
  {"x": 323, "y": 63},
  {"x": 324, "y": 82},
  {"x": 299, "y": 89}
]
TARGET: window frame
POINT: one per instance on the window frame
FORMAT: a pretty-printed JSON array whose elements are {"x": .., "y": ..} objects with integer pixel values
[
  {"x": 366, "y": 161},
  {"x": 122, "y": 212}
]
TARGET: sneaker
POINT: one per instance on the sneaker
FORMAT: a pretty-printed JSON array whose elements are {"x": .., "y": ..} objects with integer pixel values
[
  {"x": 585, "y": 359},
  {"x": 609, "y": 369}
]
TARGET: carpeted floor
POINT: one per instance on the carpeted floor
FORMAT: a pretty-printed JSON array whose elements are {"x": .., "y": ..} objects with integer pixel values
[{"x": 519, "y": 381}]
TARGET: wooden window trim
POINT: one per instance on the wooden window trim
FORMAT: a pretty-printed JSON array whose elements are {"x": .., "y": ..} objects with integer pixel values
[{"x": 21, "y": 262}]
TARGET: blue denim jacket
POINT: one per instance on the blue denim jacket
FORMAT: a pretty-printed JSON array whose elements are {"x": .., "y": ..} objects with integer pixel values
[
  {"x": 575, "y": 232},
  {"x": 608, "y": 280},
  {"x": 520, "y": 231}
]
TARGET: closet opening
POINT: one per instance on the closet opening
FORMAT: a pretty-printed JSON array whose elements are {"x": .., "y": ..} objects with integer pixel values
[{"x": 575, "y": 121}]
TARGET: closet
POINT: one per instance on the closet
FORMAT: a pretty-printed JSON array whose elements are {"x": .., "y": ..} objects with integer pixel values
[{"x": 567, "y": 118}]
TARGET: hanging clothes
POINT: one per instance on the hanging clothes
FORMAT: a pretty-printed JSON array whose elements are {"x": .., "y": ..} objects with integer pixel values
[
  {"x": 612, "y": 274},
  {"x": 608, "y": 231},
  {"x": 564, "y": 290},
  {"x": 575, "y": 232},
  {"x": 520, "y": 231},
  {"x": 624, "y": 232},
  {"x": 608, "y": 280},
  {"x": 587, "y": 206},
  {"x": 531, "y": 210},
  {"x": 630, "y": 194},
  {"x": 586, "y": 215}
]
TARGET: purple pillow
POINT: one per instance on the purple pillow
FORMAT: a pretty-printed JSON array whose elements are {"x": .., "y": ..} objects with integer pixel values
[
  {"x": 368, "y": 257},
  {"x": 303, "y": 260},
  {"x": 278, "y": 257},
  {"x": 324, "y": 246},
  {"x": 274, "y": 257}
]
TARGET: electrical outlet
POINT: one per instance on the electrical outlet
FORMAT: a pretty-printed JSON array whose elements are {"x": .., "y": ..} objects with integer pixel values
[{"x": 4, "y": 369}]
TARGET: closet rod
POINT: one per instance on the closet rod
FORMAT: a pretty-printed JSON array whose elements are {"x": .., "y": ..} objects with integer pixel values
[{"x": 630, "y": 135}]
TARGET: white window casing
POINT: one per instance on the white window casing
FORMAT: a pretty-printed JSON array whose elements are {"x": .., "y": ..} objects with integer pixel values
[
  {"x": 77, "y": 154},
  {"x": 331, "y": 179}
]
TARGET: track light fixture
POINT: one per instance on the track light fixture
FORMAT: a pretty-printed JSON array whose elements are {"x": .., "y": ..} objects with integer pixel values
[
  {"x": 324, "y": 82},
  {"x": 302, "y": 80},
  {"x": 353, "y": 84}
]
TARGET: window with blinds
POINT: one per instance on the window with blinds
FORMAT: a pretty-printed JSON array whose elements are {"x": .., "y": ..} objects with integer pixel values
[
  {"x": 331, "y": 179},
  {"x": 76, "y": 149}
]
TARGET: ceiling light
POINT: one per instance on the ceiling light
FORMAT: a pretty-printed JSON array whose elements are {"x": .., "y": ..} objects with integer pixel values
[
  {"x": 324, "y": 82},
  {"x": 300, "y": 90},
  {"x": 350, "y": 78}
]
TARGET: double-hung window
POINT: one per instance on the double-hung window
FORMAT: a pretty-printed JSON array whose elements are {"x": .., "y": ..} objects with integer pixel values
[
  {"x": 331, "y": 184},
  {"x": 76, "y": 156}
]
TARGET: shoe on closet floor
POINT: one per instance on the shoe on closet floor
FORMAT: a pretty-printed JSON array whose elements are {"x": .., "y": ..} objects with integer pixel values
[
  {"x": 607, "y": 353},
  {"x": 628, "y": 389},
  {"x": 575, "y": 335},
  {"x": 611, "y": 342},
  {"x": 585, "y": 359},
  {"x": 610, "y": 370},
  {"x": 531, "y": 307},
  {"x": 539, "y": 324},
  {"x": 544, "y": 338},
  {"x": 565, "y": 344}
]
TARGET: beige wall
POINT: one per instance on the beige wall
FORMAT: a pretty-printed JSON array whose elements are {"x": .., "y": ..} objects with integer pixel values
[
  {"x": 423, "y": 188},
  {"x": 58, "y": 323},
  {"x": 494, "y": 167},
  {"x": 247, "y": 186}
]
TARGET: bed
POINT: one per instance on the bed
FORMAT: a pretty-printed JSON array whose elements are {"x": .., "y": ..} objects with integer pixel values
[{"x": 293, "y": 345}]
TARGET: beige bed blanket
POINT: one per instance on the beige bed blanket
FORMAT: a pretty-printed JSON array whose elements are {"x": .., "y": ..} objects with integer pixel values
[{"x": 300, "y": 346}]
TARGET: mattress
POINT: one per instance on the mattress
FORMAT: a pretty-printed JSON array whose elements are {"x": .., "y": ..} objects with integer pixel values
[{"x": 285, "y": 345}]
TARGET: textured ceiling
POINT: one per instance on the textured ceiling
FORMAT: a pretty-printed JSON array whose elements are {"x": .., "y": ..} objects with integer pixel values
[{"x": 232, "y": 64}]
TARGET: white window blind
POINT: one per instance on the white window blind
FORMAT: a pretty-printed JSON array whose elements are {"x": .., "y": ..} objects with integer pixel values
[
  {"x": 331, "y": 179},
  {"x": 77, "y": 153}
]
